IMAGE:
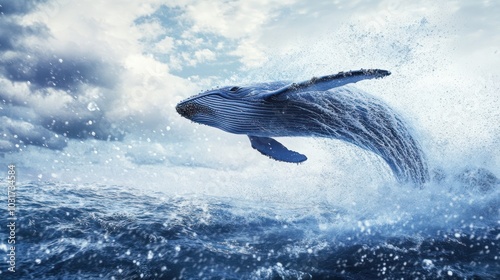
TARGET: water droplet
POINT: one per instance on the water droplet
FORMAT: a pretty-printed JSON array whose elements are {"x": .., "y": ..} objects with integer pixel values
[{"x": 92, "y": 106}]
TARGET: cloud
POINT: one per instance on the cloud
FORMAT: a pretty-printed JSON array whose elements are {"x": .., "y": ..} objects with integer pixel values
[
  {"x": 81, "y": 71},
  {"x": 46, "y": 89},
  {"x": 65, "y": 71},
  {"x": 114, "y": 70},
  {"x": 11, "y": 33},
  {"x": 204, "y": 55},
  {"x": 251, "y": 54},
  {"x": 165, "y": 45},
  {"x": 15, "y": 135},
  {"x": 216, "y": 32},
  {"x": 18, "y": 7}
]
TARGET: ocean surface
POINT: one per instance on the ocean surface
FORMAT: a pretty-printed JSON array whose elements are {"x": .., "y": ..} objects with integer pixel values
[{"x": 448, "y": 230}]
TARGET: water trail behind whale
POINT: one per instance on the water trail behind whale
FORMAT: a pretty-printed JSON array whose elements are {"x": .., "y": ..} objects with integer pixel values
[{"x": 356, "y": 117}]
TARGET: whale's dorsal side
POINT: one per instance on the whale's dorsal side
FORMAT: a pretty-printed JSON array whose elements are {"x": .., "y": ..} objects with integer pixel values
[
  {"x": 326, "y": 82},
  {"x": 275, "y": 150}
]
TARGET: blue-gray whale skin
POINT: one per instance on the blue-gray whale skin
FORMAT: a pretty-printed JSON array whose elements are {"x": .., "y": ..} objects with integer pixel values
[{"x": 320, "y": 107}]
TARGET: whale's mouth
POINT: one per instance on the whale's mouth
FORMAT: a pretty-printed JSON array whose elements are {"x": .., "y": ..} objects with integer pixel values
[{"x": 191, "y": 109}]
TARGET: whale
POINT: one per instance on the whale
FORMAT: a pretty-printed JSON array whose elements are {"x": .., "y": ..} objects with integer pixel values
[{"x": 326, "y": 106}]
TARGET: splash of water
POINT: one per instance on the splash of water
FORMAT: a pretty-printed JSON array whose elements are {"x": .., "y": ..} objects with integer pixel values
[{"x": 356, "y": 117}]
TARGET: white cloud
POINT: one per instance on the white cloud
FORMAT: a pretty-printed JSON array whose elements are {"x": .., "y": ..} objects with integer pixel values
[
  {"x": 45, "y": 102},
  {"x": 149, "y": 92},
  {"x": 236, "y": 19},
  {"x": 251, "y": 54},
  {"x": 204, "y": 55},
  {"x": 240, "y": 21},
  {"x": 165, "y": 46},
  {"x": 108, "y": 30},
  {"x": 94, "y": 53}
]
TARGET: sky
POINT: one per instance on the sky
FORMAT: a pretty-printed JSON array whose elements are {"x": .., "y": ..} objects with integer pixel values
[{"x": 89, "y": 75}]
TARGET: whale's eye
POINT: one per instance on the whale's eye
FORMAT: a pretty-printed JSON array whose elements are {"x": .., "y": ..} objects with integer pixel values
[{"x": 233, "y": 89}]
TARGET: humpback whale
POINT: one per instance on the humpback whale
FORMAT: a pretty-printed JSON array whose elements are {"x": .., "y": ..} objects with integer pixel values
[{"x": 320, "y": 107}]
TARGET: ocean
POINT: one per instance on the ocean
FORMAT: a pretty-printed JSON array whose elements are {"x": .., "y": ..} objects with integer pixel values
[{"x": 448, "y": 230}]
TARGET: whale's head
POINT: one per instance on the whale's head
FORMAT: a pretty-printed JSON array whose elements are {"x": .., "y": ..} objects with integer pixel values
[{"x": 233, "y": 109}]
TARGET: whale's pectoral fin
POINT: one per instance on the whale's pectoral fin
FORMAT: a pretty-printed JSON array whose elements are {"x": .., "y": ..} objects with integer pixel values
[
  {"x": 327, "y": 82},
  {"x": 275, "y": 150}
]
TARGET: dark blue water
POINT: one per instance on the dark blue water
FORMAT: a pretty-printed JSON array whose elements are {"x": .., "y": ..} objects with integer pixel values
[{"x": 111, "y": 232}]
